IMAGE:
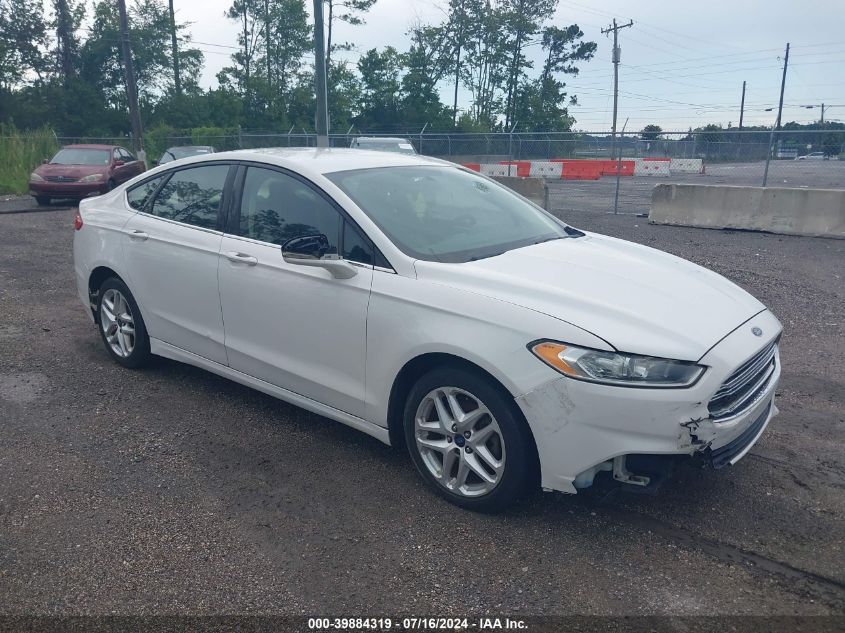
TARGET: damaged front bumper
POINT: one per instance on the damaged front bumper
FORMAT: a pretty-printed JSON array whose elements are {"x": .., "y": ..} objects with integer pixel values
[{"x": 583, "y": 428}]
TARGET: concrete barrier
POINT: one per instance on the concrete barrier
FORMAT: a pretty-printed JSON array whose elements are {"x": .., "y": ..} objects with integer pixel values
[
  {"x": 498, "y": 170},
  {"x": 686, "y": 166},
  {"x": 651, "y": 166},
  {"x": 532, "y": 188},
  {"x": 811, "y": 212}
]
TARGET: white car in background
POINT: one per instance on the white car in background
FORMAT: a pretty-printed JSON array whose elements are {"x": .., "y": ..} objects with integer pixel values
[
  {"x": 813, "y": 156},
  {"x": 431, "y": 307},
  {"x": 384, "y": 144}
]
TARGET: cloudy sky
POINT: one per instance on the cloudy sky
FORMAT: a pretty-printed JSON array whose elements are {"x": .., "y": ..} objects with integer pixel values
[{"x": 683, "y": 62}]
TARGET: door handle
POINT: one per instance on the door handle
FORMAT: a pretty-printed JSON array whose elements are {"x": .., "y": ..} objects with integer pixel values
[
  {"x": 138, "y": 236},
  {"x": 240, "y": 258}
]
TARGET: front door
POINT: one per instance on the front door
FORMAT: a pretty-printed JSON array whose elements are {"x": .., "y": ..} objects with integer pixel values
[
  {"x": 293, "y": 326},
  {"x": 171, "y": 248}
]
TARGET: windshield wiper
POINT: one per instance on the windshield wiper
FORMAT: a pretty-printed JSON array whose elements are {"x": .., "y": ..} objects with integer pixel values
[{"x": 548, "y": 239}]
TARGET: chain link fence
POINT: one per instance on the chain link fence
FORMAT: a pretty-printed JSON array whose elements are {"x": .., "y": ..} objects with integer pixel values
[{"x": 784, "y": 158}]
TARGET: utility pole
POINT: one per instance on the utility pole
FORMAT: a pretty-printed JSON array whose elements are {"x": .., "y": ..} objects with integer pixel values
[
  {"x": 783, "y": 83},
  {"x": 267, "y": 38},
  {"x": 780, "y": 111},
  {"x": 459, "y": 40},
  {"x": 322, "y": 115},
  {"x": 741, "y": 114},
  {"x": 823, "y": 106},
  {"x": 617, "y": 56},
  {"x": 131, "y": 87},
  {"x": 177, "y": 79}
]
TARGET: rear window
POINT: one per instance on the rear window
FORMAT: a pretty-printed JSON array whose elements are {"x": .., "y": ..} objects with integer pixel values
[
  {"x": 192, "y": 196},
  {"x": 137, "y": 197}
]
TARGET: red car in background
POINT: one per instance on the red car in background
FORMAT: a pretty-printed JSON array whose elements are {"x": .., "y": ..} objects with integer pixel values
[{"x": 79, "y": 171}]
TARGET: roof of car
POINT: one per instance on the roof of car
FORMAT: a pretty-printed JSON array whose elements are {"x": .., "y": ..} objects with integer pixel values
[
  {"x": 323, "y": 161},
  {"x": 89, "y": 146},
  {"x": 381, "y": 139}
]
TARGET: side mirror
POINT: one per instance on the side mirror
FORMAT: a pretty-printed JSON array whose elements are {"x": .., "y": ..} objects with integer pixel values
[
  {"x": 312, "y": 250},
  {"x": 119, "y": 163}
]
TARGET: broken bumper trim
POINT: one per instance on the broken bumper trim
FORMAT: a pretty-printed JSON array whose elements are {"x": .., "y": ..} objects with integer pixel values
[{"x": 729, "y": 453}]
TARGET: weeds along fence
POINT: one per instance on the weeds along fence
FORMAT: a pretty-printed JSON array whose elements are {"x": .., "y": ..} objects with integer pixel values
[
  {"x": 740, "y": 155},
  {"x": 20, "y": 152}
]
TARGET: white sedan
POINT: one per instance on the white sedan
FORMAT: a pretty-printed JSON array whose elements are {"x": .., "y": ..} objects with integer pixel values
[{"x": 431, "y": 308}]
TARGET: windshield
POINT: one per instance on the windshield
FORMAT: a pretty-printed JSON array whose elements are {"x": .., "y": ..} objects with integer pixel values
[
  {"x": 81, "y": 157},
  {"x": 446, "y": 214}
]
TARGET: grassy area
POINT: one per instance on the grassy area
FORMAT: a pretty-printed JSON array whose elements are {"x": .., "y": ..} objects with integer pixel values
[{"x": 21, "y": 151}]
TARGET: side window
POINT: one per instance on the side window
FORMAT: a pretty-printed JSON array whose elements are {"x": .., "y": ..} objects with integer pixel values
[
  {"x": 355, "y": 247},
  {"x": 125, "y": 155},
  {"x": 137, "y": 196},
  {"x": 276, "y": 207},
  {"x": 192, "y": 196},
  {"x": 116, "y": 154}
]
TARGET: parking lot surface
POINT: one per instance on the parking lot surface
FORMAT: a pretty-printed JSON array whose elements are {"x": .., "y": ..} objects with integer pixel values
[{"x": 171, "y": 490}]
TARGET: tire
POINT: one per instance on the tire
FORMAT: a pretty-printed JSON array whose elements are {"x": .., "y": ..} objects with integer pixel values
[
  {"x": 42, "y": 201},
  {"x": 111, "y": 184},
  {"x": 127, "y": 349},
  {"x": 497, "y": 431}
]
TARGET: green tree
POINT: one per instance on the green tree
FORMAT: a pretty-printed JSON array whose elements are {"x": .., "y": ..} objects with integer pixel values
[
  {"x": 248, "y": 15},
  {"x": 150, "y": 34},
  {"x": 348, "y": 11},
  {"x": 521, "y": 19},
  {"x": 68, "y": 16},
  {"x": 485, "y": 68},
  {"x": 424, "y": 68},
  {"x": 651, "y": 132},
  {"x": 379, "y": 88},
  {"x": 23, "y": 40}
]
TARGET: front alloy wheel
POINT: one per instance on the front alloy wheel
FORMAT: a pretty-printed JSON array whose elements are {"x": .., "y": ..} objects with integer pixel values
[
  {"x": 468, "y": 439},
  {"x": 459, "y": 441}
]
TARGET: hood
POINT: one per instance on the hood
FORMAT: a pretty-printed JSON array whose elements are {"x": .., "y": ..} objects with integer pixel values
[
  {"x": 638, "y": 299},
  {"x": 74, "y": 171}
]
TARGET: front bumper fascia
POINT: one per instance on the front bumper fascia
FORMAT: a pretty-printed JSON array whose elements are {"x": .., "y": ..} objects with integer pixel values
[{"x": 579, "y": 427}]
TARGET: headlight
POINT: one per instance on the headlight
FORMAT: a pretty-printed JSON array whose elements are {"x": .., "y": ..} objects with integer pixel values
[
  {"x": 614, "y": 368},
  {"x": 35, "y": 177},
  {"x": 91, "y": 178}
]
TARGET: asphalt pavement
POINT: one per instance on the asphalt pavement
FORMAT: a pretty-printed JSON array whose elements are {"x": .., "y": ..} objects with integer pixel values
[{"x": 171, "y": 490}]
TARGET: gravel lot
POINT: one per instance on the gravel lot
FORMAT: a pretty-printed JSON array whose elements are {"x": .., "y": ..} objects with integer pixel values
[{"x": 171, "y": 490}]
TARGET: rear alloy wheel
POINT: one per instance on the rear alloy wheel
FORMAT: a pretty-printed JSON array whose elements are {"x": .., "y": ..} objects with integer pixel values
[
  {"x": 466, "y": 440},
  {"x": 121, "y": 326}
]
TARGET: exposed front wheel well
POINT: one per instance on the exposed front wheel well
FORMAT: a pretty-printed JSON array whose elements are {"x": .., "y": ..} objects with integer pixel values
[
  {"x": 95, "y": 280},
  {"x": 417, "y": 367}
]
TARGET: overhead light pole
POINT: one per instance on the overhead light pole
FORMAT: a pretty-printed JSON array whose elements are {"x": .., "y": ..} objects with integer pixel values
[{"x": 321, "y": 119}]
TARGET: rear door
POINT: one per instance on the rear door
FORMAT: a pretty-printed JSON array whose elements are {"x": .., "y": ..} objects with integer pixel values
[
  {"x": 171, "y": 249},
  {"x": 293, "y": 326}
]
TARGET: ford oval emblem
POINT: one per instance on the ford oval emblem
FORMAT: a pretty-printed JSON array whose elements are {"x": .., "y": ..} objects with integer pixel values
[{"x": 756, "y": 331}]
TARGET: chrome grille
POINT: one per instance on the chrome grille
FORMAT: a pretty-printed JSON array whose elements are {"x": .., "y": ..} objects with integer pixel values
[
  {"x": 62, "y": 179},
  {"x": 742, "y": 388}
]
